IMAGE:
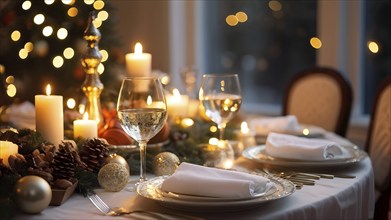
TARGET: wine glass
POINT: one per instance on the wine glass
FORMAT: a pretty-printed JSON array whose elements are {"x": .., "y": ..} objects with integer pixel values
[
  {"x": 142, "y": 112},
  {"x": 220, "y": 95}
]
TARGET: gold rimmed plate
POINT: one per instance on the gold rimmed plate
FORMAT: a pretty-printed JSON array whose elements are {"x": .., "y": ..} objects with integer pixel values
[{"x": 151, "y": 189}]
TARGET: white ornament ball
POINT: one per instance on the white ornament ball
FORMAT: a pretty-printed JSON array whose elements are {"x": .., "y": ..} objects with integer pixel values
[
  {"x": 165, "y": 163},
  {"x": 33, "y": 194},
  {"x": 113, "y": 177}
]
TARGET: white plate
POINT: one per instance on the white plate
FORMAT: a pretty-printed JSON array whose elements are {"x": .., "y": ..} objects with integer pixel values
[
  {"x": 258, "y": 154},
  {"x": 151, "y": 189}
]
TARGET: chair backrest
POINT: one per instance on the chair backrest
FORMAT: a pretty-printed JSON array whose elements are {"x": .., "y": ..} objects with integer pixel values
[
  {"x": 378, "y": 143},
  {"x": 320, "y": 96},
  {"x": 378, "y": 146}
]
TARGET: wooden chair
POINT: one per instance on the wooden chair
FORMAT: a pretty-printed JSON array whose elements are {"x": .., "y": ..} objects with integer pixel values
[
  {"x": 378, "y": 146},
  {"x": 320, "y": 96}
]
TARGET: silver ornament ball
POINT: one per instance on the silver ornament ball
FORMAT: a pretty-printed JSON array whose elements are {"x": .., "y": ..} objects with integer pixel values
[
  {"x": 115, "y": 158},
  {"x": 33, "y": 194},
  {"x": 165, "y": 163}
]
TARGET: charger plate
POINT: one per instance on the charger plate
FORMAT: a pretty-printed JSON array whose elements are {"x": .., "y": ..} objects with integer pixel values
[
  {"x": 151, "y": 189},
  {"x": 259, "y": 155}
]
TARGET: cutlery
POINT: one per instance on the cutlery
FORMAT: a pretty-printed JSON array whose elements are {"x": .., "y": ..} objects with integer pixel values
[{"x": 106, "y": 210}]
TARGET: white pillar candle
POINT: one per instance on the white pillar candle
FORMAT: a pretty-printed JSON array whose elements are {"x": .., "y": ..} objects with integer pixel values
[
  {"x": 85, "y": 128},
  {"x": 49, "y": 117},
  {"x": 177, "y": 104},
  {"x": 138, "y": 63},
  {"x": 6, "y": 150}
]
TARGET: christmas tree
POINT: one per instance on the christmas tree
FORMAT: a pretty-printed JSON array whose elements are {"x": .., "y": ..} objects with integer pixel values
[{"x": 41, "y": 42}]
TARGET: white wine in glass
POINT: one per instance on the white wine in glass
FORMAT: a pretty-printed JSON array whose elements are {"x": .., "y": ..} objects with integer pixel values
[
  {"x": 142, "y": 112},
  {"x": 220, "y": 95}
]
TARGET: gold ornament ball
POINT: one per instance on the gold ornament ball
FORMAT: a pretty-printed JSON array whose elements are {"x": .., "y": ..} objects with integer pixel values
[
  {"x": 33, "y": 194},
  {"x": 115, "y": 158},
  {"x": 165, "y": 163},
  {"x": 113, "y": 177}
]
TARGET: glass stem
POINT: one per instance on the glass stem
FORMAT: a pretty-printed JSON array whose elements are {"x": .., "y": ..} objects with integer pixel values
[
  {"x": 143, "y": 163},
  {"x": 222, "y": 129}
]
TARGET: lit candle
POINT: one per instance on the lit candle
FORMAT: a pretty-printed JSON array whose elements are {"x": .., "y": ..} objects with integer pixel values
[
  {"x": 177, "y": 104},
  {"x": 85, "y": 128},
  {"x": 246, "y": 136},
  {"x": 6, "y": 150},
  {"x": 49, "y": 117},
  {"x": 138, "y": 63}
]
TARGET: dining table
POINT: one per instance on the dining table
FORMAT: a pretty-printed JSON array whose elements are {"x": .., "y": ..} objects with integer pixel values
[{"x": 328, "y": 198}]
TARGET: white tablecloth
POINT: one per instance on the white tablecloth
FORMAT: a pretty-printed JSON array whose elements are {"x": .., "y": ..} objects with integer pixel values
[{"x": 329, "y": 199}]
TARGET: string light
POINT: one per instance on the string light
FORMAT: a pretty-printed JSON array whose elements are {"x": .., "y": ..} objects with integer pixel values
[
  {"x": 68, "y": 2},
  {"x": 99, "y": 4},
  {"x": 26, "y": 5},
  {"x": 72, "y": 12},
  {"x": 103, "y": 15},
  {"x": 68, "y": 53},
  {"x": 58, "y": 61},
  {"x": 62, "y": 33},
  {"x": 105, "y": 55},
  {"x": 11, "y": 90},
  {"x": 23, "y": 53},
  {"x": 39, "y": 19},
  {"x": 49, "y": 2},
  {"x": 15, "y": 35},
  {"x": 89, "y": 2},
  {"x": 29, "y": 46},
  {"x": 47, "y": 31}
]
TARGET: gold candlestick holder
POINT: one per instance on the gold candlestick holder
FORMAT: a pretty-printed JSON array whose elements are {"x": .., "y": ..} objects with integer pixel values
[{"x": 92, "y": 86}]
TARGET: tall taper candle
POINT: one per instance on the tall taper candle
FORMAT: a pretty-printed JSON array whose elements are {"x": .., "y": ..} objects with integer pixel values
[{"x": 49, "y": 117}]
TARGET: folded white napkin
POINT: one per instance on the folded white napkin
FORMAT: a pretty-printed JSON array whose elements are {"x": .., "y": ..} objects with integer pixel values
[
  {"x": 265, "y": 125},
  {"x": 293, "y": 147},
  {"x": 198, "y": 180}
]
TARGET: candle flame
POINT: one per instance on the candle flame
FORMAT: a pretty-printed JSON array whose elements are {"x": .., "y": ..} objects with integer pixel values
[
  {"x": 85, "y": 116},
  {"x": 48, "y": 89},
  {"x": 149, "y": 100},
  {"x": 244, "y": 128},
  {"x": 176, "y": 93},
  {"x": 138, "y": 48}
]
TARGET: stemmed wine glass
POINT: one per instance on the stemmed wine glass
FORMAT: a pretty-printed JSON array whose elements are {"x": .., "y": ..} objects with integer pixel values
[
  {"x": 220, "y": 95},
  {"x": 142, "y": 112}
]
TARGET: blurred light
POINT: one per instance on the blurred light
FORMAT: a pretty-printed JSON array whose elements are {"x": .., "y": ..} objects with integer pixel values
[
  {"x": 105, "y": 55},
  {"x": 97, "y": 22},
  {"x": 82, "y": 108},
  {"x": 165, "y": 80},
  {"x": 10, "y": 79},
  {"x": 47, "y": 31},
  {"x": 62, "y": 33},
  {"x": 231, "y": 20},
  {"x": 103, "y": 15},
  {"x": 101, "y": 68},
  {"x": 23, "y": 53},
  {"x": 11, "y": 90},
  {"x": 275, "y": 5},
  {"x": 71, "y": 103},
  {"x": 316, "y": 43},
  {"x": 213, "y": 128},
  {"x": 373, "y": 47},
  {"x": 89, "y": 2},
  {"x": 306, "y": 131},
  {"x": 68, "y": 53},
  {"x": 241, "y": 16},
  {"x": 187, "y": 122},
  {"x": 99, "y": 4},
  {"x": 58, "y": 61},
  {"x": 72, "y": 12},
  {"x": 15, "y": 36},
  {"x": 29, "y": 46},
  {"x": 68, "y": 2},
  {"x": 213, "y": 141},
  {"x": 26, "y": 5},
  {"x": 49, "y": 2},
  {"x": 39, "y": 19},
  {"x": 2, "y": 69}
]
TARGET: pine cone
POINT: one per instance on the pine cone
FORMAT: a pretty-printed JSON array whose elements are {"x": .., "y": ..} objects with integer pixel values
[
  {"x": 65, "y": 162},
  {"x": 93, "y": 154}
]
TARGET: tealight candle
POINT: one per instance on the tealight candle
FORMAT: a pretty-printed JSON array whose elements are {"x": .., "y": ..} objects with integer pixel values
[
  {"x": 246, "y": 136},
  {"x": 6, "y": 150},
  {"x": 49, "y": 116},
  {"x": 138, "y": 63},
  {"x": 85, "y": 128}
]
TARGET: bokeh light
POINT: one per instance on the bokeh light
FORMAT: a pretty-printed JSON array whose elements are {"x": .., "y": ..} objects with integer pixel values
[
  {"x": 29, "y": 46},
  {"x": 26, "y": 5},
  {"x": 232, "y": 20},
  {"x": 373, "y": 47},
  {"x": 23, "y": 53},
  {"x": 71, "y": 103},
  {"x": 49, "y": 2},
  {"x": 105, "y": 55},
  {"x": 103, "y": 15},
  {"x": 241, "y": 16},
  {"x": 58, "y": 61},
  {"x": 39, "y": 19},
  {"x": 11, "y": 90},
  {"x": 15, "y": 35},
  {"x": 62, "y": 33},
  {"x": 316, "y": 43},
  {"x": 99, "y": 4},
  {"x": 275, "y": 5},
  {"x": 69, "y": 53},
  {"x": 72, "y": 12},
  {"x": 47, "y": 31}
]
